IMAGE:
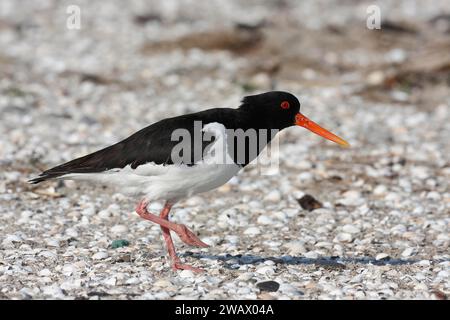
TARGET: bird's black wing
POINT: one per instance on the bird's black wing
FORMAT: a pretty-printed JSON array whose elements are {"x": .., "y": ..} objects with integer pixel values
[{"x": 151, "y": 144}]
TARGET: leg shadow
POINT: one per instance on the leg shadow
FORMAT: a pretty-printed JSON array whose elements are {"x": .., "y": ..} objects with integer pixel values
[{"x": 235, "y": 261}]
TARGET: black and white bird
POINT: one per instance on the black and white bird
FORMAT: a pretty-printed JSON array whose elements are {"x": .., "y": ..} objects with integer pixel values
[{"x": 152, "y": 165}]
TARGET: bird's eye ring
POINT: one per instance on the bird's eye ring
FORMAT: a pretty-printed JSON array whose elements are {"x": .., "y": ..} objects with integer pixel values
[{"x": 285, "y": 105}]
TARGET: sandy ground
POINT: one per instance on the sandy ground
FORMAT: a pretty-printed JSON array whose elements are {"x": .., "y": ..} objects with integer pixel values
[{"x": 381, "y": 227}]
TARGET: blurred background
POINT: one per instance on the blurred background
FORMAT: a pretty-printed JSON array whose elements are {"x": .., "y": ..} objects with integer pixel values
[{"x": 66, "y": 91}]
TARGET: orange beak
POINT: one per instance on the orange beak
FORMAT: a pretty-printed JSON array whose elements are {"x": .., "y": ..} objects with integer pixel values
[{"x": 302, "y": 121}]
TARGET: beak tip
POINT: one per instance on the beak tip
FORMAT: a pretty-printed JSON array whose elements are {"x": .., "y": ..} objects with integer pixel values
[{"x": 346, "y": 145}]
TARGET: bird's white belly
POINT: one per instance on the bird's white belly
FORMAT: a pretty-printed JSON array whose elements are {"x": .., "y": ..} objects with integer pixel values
[
  {"x": 158, "y": 182},
  {"x": 180, "y": 182}
]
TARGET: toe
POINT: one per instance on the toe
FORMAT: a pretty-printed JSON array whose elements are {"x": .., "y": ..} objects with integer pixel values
[{"x": 181, "y": 266}]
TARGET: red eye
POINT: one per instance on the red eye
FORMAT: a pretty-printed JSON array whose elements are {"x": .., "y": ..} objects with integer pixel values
[{"x": 285, "y": 105}]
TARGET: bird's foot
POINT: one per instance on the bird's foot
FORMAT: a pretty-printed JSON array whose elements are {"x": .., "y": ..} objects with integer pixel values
[
  {"x": 188, "y": 237},
  {"x": 177, "y": 265}
]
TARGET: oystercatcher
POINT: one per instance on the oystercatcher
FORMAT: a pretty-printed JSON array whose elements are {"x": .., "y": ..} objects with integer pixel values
[{"x": 152, "y": 164}]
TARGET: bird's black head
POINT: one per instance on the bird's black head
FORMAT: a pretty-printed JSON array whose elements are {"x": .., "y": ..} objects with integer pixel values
[
  {"x": 279, "y": 110},
  {"x": 272, "y": 110}
]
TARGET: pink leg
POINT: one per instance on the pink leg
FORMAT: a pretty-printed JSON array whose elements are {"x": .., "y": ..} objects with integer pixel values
[
  {"x": 183, "y": 232},
  {"x": 176, "y": 263}
]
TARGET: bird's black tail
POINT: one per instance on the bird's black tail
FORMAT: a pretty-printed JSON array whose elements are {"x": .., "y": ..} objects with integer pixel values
[
  {"x": 45, "y": 176},
  {"x": 98, "y": 161}
]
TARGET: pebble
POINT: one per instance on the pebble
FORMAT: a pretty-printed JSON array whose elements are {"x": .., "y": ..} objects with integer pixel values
[
  {"x": 408, "y": 252},
  {"x": 252, "y": 231},
  {"x": 72, "y": 232},
  {"x": 100, "y": 255},
  {"x": 380, "y": 190},
  {"x": 382, "y": 256},
  {"x": 308, "y": 202},
  {"x": 89, "y": 211},
  {"x": 265, "y": 270},
  {"x": 245, "y": 276},
  {"x": 420, "y": 172},
  {"x": 186, "y": 274},
  {"x": 265, "y": 220},
  {"x": 119, "y": 243},
  {"x": 133, "y": 281},
  {"x": 311, "y": 255},
  {"x": 343, "y": 237},
  {"x": 269, "y": 286},
  {"x": 52, "y": 291},
  {"x": 47, "y": 254},
  {"x": 119, "y": 229},
  {"x": 110, "y": 281},
  {"x": 52, "y": 242},
  {"x": 433, "y": 195},
  {"x": 273, "y": 196},
  {"x": 290, "y": 290},
  {"x": 350, "y": 229},
  {"x": 45, "y": 273},
  {"x": 351, "y": 198}
]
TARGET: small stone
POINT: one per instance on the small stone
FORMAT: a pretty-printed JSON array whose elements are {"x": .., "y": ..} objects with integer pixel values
[
  {"x": 72, "y": 232},
  {"x": 118, "y": 197},
  {"x": 68, "y": 269},
  {"x": 351, "y": 198},
  {"x": 110, "y": 281},
  {"x": 252, "y": 231},
  {"x": 52, "y": 291},
  {"x": 162, "y": 283},
  {"x": 420, "y": 172},
  {"x": 273, "y": 196},
  {"x": 382, "y": 256},
  {"x": 290, "y": 289},
  {"x": 186, "y": 274},
  {"x": 264, "y": 220},
  {"x": 343, "y": 237},
  {"x": 52, "y": 242},
  {"x": 100, "y": 255},
  {"x": 269, "y": 286},
  {"x": 132, "y": 281},
  {"x": 47, "y": 254},
  {"x": 71, "y": 284},
  {"x": 12, "y": 238},
  {"x": 89, "y": 211},
  {"x": 104, "y": 214},
  {"x": 375, "y": 78},
  {"x": 119, "y": 229},
  {"x": 266, "y": 270},
  {"x": 119, "y": 243},
  {"x": 124, "y": 258},
  {"x": 295, "y": 248},
  {"x": 10, "y": 241},
  {"x": 307, "y": 202},
  {"x": 311, "y": 255},
  {"x": 45, "y": 273},
  {"x": 398, "y": 95},
  {"x": 245, "y": 276},
  {"x": 433, "y": 195},
  {"x": 424, "y": 262},
  {"x": 380, "y": 190},
  {"x": 350, "y": 229},
  {"x": 408, "y": 252}
]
